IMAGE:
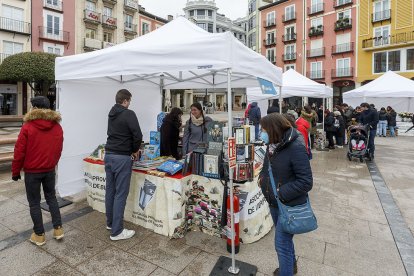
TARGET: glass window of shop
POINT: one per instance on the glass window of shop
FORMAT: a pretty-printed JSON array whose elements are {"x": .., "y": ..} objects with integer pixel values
[
  {"x": 8, "y": 99},
  {"x": 410, "y": 59},
  {"x": 386, "y": 61}
]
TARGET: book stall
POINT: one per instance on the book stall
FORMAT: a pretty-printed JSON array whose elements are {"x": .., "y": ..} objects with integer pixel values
[{"x": 173, "y": 197}]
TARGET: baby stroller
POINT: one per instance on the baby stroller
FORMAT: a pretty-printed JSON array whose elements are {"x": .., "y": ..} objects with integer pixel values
[{"x": 358, "y": 143}]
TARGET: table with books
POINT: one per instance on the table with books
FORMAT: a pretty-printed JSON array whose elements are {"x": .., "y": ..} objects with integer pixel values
[{"x": 192, "y": 199}]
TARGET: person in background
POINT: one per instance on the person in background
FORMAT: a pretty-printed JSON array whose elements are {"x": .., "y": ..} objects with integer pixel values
[
  {"x": 340, "y": 129},
  {"x": 195, "y": 130},
  {"x": 291, "y": 110},
  {"x": 311, "y": 116},
  {"x": 320, "y": 113},
  {"x": 121, "y": 149},
  {"x": 303, "y": 126},
  {"x": 369, "y": 117},
  {"x": 37, "y": 151},
  {"x": 254, "y": 118},
  {"x": 170, "y": 132},
  {"x": 274, "y": 108},
  {"x": 330, "y": 129},
  {"x": 288, "y": 160},
  {"x": 382, "y": 122},
  {"x": 392, "y": 120},
  {"x": 246, "y": 112}
]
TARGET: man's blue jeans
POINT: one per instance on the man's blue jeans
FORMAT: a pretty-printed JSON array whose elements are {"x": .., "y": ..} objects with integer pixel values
[
  {"x": 118, "y": 170},
  {"x": 382, "y": 128},
  {"x": 284, "y": 246},
  {"x": 392, "y": 130}
]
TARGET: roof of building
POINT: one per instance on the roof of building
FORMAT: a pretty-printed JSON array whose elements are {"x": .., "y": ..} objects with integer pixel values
[
  {"x": 272, "y": 4},
  {"x": 150, "y": 15}
]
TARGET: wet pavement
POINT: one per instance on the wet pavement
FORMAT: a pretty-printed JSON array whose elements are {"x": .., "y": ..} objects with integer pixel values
[{"x": 353, "y": 238}]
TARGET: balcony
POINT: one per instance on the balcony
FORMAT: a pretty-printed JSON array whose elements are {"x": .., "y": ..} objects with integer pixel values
[
  {"x": 92, "y": 44},
  {"x": 203, "y": 17},
  {"x": 130, "y": 28},
  {"x": 53, "y": 35},
  {"x": 289, "y": 38},
  {"x": 342, "y": 72},
  {"x": 92, "y": 17},
  {"x": 269, "y": 42},
  {"x": 316, "y": 75},
  {"x": 315, "y": 31},
  {"x": 269, "y": 24},
  {"x": 3, "y": 56},
  {"x": 112, "y": 2},
  {"x": 107, "y": 44},
  {"x": 109, "y": 22},
  {"x": 342, "y": 3},
  {"x": 289, "y": 57},
  {"x": 343, "y": 24},
  {"x": 381, "y": 16},
  {"x": 319, "y": 52},
  {"x": 289, "y": 17},
  {"x": 389, "y": 41},
  {"x": 343, "y": 48},
  {"x": 131, "y": 5},
  {"x": 15, "y": 26},
  {"x": 55, "y": 5},
  {"x": 316, "y": 9}
]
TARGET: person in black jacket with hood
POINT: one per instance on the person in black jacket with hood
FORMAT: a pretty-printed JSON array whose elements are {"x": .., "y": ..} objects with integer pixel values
[
  {"x": 330, "y": 129},
  {"x": 292, "y": 174},
  {"x": 340, "y": 129},
  {"x": 122, "y": 145},
  {"x": 369, "y": 116},
  {"x": 392, "y": 120},
  {"x": 254, "y": 117},
  {"x": 170, "y": 132},
  {"x": 274, "y": 108}
]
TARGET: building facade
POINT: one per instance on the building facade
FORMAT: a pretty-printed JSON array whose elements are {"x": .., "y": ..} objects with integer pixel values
[
  {"x": 386, "y": 38},
  {"x": 15, "y": 37},
  {"x": 254, "y": 24},
  {"x": 316, "y": 38},
  {"x": 149, "y": 22}
]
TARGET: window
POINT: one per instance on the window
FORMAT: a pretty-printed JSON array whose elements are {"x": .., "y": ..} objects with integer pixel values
[
  {"x": 290, "y": 12},
  {"x": 128, "y": 21},
  {"x": 344, "y": 14},
  {"x": 270, "y": 37},
  {"x": 13, "y": 18},
  {"x": 343, "y": 43},
  {"x": 316, "y": 48},
  {"x": 192, "y": 13},
  {"x": 252, "y": 40},
  {"x": 380, "y": 62},
  {"x": 290, "y": 66},
  {"x": 91, "y": 6},
  {"x": 90, "y": 33},
  {"x": 108, "y": 37},
  {"x": 210, "y": 13},
  {"x": 210, "y": 28},
  {"x": 343, "y": 67},
  {"x": 394, "y": 60},
  {"x": 410, "y": 59},
  {"x": 317, "y": 22},
  {"x": 316, "y": 6},
  {"x": 382, "y": 36},
  {"x": 107, "y": 12},
  {"x": 201, "y": 12},
  {"x": 290, "y": 33},
  {"x": 252, "y": 6},
  {"x": 201, "y": 25},
  {"x": 381, "y": 10},
  {"x": 52, "y": 24},
  {"x": 290, "y": 52},
  {"x": 271, "y": 19},
  {"x": 11, "y": 48},
  {"x": 146, "y": 28},
  {"x": 270, "y": 55},
  {"x": 316, "y": 70},
  {"x": 53, "y": 50}
]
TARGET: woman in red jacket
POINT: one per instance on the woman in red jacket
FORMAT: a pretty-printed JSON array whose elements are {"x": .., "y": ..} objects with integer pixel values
[
  {"x": 303, "y": 127},
  {"x": 37, "y": 152}
]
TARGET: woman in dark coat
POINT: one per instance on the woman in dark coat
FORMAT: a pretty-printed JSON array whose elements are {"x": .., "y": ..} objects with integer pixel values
[
  {"x": 340, "y": 130},
  {"x": 392, "y": 120},
  {"x": 170, "y": 131},
  {"x": 330, "y": 129},
  {"x": 293, "y": 175}
]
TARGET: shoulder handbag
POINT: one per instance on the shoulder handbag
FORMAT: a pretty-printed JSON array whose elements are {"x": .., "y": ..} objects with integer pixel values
[{"x": 298, "y": 219}]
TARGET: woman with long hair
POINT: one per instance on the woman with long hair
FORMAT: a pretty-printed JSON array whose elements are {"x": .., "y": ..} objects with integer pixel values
[
  {"x": 170, "y": 131},
  {"x": 392, "y": 120},
  {"x": 195, "y": 130},
  {"x": 292, "y": 172}
]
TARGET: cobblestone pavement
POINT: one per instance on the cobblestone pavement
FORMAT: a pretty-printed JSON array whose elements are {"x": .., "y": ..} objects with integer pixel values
[{"x": 353, "y": 238}]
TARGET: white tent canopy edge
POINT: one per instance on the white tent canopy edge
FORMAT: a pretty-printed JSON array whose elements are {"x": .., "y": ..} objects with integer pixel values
[{"x": 199, "y": 67}]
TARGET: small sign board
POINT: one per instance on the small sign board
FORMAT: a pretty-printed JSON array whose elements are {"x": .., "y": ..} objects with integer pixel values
[{"x": 231, "y": 142}]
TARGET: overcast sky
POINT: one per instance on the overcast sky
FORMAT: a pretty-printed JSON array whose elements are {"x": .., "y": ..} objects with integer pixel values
[{"x": 231, "y": 8}]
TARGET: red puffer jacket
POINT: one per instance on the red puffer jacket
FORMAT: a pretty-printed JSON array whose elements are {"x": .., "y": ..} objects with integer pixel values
[{"x": 39, "y": 145}]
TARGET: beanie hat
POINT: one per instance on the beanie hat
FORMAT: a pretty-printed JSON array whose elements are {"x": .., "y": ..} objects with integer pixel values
[
  {"x": 40, "y": 102},
  {"x": 337, "y": 113}
]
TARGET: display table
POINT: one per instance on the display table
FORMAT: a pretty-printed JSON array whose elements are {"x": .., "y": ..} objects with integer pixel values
[{"x": 171, "y": 206}]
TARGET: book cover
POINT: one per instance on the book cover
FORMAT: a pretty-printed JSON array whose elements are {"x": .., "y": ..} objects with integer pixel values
[
  {"x": 240, "y": 137},
  {"x": 215, "y": 132},
  {"x": 155, "y": 137},
  {"x": 211, "y": 166}
]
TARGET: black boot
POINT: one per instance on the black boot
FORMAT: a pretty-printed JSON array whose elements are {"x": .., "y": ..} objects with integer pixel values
[{"x": 295, "y": 270}]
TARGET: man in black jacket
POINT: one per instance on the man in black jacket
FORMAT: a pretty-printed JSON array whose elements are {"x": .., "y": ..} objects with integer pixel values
[
  {"x": 122, "y": 145},
  {"x": 369, "y": 116},
  {"x": 274, "y": 108}
]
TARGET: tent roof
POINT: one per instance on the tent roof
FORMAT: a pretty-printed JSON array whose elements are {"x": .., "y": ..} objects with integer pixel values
[
  {"x": 389, "y": 85},
  {"x": 181, "y": 52},
  {"x": 295, "y": 84}
]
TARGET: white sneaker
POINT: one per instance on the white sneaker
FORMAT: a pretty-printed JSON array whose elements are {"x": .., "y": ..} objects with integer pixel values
[
  {"x": 125, "y": 234},
  {"x": 108, "y": 228}
]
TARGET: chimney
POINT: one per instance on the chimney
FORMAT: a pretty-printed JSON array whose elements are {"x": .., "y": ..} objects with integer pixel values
[{"x": 170, "y": 17}]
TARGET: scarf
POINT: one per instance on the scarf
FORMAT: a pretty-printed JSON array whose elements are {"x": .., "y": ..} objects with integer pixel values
[{"x": 197, "y": 122}]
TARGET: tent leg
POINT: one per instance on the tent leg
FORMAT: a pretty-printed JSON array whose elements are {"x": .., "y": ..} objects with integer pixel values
[
  {"x": 280, "y": 99},
  {"x": 161, "y": 91},
  {"x": 323, "y": 124},
  {"x": 57, "y": 96}
]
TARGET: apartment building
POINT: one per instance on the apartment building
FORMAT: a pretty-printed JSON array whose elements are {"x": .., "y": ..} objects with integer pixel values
[
  {"x": 254, "y": 24},
  {"x": 149, "y": 22},
  {"x": 15, "y": 37},
  {"x": 314, "y": 37},
  {"x": 386, "y": 38}
]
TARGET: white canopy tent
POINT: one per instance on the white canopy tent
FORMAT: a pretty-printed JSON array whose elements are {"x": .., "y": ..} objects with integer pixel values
[
  {"x": 390, "y": 89},
  {"x": 176, "y": 56}
]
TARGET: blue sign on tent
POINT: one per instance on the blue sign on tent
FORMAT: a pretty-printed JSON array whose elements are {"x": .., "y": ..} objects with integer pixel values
[{"x": 267, "y": 87}]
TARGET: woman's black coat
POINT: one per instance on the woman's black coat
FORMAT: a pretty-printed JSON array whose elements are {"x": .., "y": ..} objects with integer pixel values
[{"x": 170, "y": 131}]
